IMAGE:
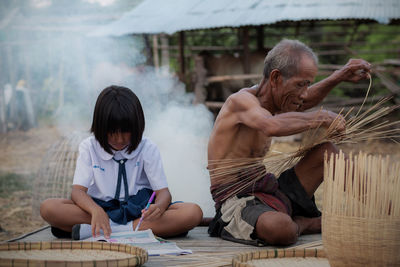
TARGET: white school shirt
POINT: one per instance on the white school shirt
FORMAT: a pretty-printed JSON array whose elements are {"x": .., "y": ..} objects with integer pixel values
[{"x": 97, "y": 171}]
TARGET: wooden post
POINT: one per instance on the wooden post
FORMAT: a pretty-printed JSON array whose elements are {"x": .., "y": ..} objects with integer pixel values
[
  {"x": 353, "y": 34},
  {"x": 260, "y": 38},
  {"x": 246, "y": 53},
  {"x": 156, "y": 59},
  {"x": 164, "y": 54},
  {"x": 182, "y": 55},
  {"x": 30, "y": 118},
  {"x": 297, "y": 30},
  {"x": 199, "y": 80},
  {"x": 148, "y": 51}
]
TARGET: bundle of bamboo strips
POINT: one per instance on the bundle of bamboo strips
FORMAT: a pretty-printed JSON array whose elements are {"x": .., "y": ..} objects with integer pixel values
[{"x": 361, "y": 219}]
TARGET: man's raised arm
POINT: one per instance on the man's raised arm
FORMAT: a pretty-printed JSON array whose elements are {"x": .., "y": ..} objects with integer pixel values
[
  {"x": 354, "y": 71},
  {"x": 248, "y": 112}
]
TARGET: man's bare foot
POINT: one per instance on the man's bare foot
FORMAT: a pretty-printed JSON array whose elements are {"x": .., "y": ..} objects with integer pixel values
[{"x": 308, "y": 225}]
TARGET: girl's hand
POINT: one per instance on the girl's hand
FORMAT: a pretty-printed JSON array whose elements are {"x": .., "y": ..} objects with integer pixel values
[
  {"x": 154, "y": 212},
  {"x": 100, "y": 221}
]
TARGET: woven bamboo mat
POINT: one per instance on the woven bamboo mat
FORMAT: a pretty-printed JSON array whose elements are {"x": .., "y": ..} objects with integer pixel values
[
  {"x": 68, "y": 253},
  {"x": 297, "y": 257}
]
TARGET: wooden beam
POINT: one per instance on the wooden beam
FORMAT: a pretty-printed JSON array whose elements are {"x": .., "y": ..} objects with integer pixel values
[{"x": 223, "y": 78}]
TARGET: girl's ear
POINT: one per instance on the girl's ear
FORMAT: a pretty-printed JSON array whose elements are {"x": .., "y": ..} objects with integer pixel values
[{"x": 275, "y": 78}]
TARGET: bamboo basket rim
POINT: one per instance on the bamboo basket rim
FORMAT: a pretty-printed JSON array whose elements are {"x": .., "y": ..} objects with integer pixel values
[
  {"x": 241, "y": 259},
  {"x": 136, "y": 256}
]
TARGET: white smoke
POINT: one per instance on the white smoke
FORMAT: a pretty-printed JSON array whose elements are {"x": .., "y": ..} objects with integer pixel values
[{"x": 68, "y": 69}]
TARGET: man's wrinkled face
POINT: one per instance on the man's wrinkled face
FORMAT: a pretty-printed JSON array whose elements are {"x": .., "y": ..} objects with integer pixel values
[{"x": 293, "y": 91}]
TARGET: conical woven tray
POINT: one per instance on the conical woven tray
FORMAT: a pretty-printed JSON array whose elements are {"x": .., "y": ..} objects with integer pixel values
[
  {"x": 69, "y": 253},
  {"x": 282, "y": 257}
]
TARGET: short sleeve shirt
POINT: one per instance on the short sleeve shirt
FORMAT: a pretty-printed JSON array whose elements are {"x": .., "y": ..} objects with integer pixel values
[{"x": 97, "y": 171}]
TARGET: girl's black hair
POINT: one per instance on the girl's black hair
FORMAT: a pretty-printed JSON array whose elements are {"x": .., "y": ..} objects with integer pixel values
[{"x": 118, "y": 109}]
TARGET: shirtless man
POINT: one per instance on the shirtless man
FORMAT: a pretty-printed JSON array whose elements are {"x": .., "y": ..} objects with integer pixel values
[{"x": 244, "y": 128}]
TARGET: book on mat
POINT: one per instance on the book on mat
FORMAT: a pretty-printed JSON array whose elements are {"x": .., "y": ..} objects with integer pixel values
[{"x": 146, "y": 240}]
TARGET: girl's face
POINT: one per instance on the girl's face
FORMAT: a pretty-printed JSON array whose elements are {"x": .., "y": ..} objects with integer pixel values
[{"x": 118, "y": 140}]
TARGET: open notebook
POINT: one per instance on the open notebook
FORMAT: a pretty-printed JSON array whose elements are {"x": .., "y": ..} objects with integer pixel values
[{"x": 144, "y": 239}]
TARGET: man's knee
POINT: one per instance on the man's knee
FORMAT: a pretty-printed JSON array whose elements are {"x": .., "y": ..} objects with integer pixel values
[{"x": 276, "y": 228}]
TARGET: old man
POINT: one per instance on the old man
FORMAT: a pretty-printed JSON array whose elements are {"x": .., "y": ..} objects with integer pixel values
[{"x": 275, "y": 211}]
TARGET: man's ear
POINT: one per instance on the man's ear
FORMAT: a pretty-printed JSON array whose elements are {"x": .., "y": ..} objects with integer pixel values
[{"x": 275, "y": 77}]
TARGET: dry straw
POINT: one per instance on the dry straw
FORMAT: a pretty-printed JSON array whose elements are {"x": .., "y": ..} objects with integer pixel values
[
  {"x": 233, "y": 175},
  {"x": 361, "y": 219}
]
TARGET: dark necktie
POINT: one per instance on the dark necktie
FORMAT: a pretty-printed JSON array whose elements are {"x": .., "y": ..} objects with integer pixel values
[{"x": 121, "y": 175}]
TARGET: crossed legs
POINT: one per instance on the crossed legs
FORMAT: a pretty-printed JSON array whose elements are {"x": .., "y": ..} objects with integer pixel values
[
  {"x": 177, "y": 219},
  {"x": 278, "y": 228}
]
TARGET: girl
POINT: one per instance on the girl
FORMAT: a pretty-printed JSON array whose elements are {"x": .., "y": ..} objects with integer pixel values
[{"x": 116, "y": 172}]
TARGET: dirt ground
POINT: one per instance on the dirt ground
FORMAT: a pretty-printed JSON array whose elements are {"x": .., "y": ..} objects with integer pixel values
[{"x": 22, "y": 153}]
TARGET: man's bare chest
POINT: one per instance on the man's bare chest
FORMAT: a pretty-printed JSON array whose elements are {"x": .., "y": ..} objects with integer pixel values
[{"x": 253, "y": 144}]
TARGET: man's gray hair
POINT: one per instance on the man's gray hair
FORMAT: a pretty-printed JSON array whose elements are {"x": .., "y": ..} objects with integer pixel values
[{"x": 285, "y": 56}]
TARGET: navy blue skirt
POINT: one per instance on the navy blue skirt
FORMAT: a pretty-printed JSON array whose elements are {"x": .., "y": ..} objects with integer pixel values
[{"x": 122, "y": 212}]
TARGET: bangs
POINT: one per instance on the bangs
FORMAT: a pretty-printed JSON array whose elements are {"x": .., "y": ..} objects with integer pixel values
[
  {"x": 118, "y": 110},
  {"x": 119, "y": 120}
]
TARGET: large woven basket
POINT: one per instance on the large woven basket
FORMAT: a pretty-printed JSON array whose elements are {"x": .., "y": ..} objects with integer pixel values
[
  {"x": 68, "y": 254},
  {"x": 282, "y": 257},
  {"x": 361, "y": 217},
  {"x": 354, "y": 241}
]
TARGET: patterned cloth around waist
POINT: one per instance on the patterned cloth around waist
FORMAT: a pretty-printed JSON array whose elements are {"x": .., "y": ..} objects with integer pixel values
[
  {"x": 264, "y": 188},
  {"x": 122, "y": 212}
]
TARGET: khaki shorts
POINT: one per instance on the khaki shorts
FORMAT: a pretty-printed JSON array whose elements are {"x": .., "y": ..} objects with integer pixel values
[{"x": 236, "y": 219}]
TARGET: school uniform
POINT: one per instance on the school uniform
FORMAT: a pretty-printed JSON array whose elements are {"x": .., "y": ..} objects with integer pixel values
[{"x": 107, "y": 177}]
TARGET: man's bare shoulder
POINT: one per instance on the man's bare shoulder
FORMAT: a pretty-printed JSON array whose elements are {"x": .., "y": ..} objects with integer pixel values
[{"x": 243, "y": 98}]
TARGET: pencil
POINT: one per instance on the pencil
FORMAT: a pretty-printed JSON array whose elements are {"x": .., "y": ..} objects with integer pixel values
[{"x": 147, "y": 206}]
